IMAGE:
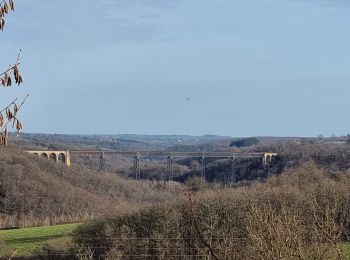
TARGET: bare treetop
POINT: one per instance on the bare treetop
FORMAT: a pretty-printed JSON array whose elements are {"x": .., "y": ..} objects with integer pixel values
[{"x": 10, "y": 74}]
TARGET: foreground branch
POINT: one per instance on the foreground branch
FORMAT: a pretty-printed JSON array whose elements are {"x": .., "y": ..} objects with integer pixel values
[{"x": 198, "y": 230}]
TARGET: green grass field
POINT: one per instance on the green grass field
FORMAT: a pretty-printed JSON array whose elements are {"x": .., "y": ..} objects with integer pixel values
[{"x": 29, "y": 240}]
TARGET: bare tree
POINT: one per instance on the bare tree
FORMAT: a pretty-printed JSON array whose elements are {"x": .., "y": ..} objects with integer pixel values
[
  {"x": 330, "y": 219},
  {"x": 84, "y": 252},
  {"x": 9, "y": 114}
]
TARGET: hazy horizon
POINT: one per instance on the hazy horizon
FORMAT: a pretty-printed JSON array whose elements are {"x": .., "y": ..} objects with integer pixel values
[{"x": 170, "y": 134}]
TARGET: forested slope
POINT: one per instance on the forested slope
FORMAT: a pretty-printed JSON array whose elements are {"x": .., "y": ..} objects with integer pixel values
[
  {"x": 301, "y": 214},
  {"x": 36, "y": 192}
]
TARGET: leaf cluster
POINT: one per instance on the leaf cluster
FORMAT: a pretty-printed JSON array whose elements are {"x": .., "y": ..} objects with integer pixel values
[
  {"x": 6, "y": 78},
  {"x": 8, "y": 115},
  {"x": 5, "y": 6},
  {"x": 12, "y": 73}
]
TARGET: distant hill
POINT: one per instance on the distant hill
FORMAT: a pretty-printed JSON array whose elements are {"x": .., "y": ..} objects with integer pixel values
[{"x": 125, "y": 142}]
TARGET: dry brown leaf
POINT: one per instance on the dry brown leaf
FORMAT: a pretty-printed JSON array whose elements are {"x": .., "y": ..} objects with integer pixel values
[
  {"x": 2, "y": 24},
  {"x": 9, "y": 82},
  {"x": 20, "y": 80},
  {"x": 19, "y": 126},
  {"x": 6, "y": 8},
  {"x": 1, "y": 120}
]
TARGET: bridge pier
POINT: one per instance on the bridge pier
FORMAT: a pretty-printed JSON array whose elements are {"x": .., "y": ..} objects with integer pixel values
[
  {"x": 101, "y": 162},
  {"x": 202, "y": 168},
  {"x": 68, "y": 163},
  {"x": 169, "y": 169},
  {"x": 233, "y": 173},
  {"x": 137, "y": 162}
]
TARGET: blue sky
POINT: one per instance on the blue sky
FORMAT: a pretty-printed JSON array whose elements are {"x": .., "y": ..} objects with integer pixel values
[{"x": 228, "y": 67}]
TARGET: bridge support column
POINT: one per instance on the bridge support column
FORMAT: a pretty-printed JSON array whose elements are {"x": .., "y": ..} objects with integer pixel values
[
  {"x": 101, "y": 162},
  {"x": 202, "y": 168},
  {"x": 233, "y": 173},
  {"x": 169, "y": 169},
  {"x": 137, "y": 161},
  {"x": 264, "y": 160},
  {"x": 68, "y": 163}
]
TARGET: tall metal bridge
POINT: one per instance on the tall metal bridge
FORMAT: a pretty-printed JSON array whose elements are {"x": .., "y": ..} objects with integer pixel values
[{"x": 65, "y": 157}]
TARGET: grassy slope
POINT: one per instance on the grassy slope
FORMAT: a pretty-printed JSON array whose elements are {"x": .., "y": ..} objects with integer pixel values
[{"x": 29, "y": 240}]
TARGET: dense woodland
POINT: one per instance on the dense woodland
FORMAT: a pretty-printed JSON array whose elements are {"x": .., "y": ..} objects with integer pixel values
[
  {"x": 301, "y": 214},
  {"x": 297, "y": 207},
  {"x": 40, "y": 192}
]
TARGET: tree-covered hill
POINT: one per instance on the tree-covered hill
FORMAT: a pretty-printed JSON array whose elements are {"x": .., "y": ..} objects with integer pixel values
[{"x": 36, "y": 192}]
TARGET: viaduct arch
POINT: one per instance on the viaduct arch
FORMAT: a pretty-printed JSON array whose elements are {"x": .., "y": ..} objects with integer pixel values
[
  {"x": 268, "y": 157},
  {"x": 57, "y": 156}
]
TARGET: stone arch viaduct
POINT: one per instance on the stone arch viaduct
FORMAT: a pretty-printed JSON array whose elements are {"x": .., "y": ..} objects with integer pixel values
[{"x": 57, "y": 156}]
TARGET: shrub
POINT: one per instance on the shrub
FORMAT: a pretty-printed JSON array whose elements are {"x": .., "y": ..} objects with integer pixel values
[
  {"x": 244, "y": 142},
  {"x": 303, "y": 214}
]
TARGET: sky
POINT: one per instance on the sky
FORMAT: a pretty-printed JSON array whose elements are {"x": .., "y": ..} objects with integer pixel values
[{"x": 225, "y": 67}]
